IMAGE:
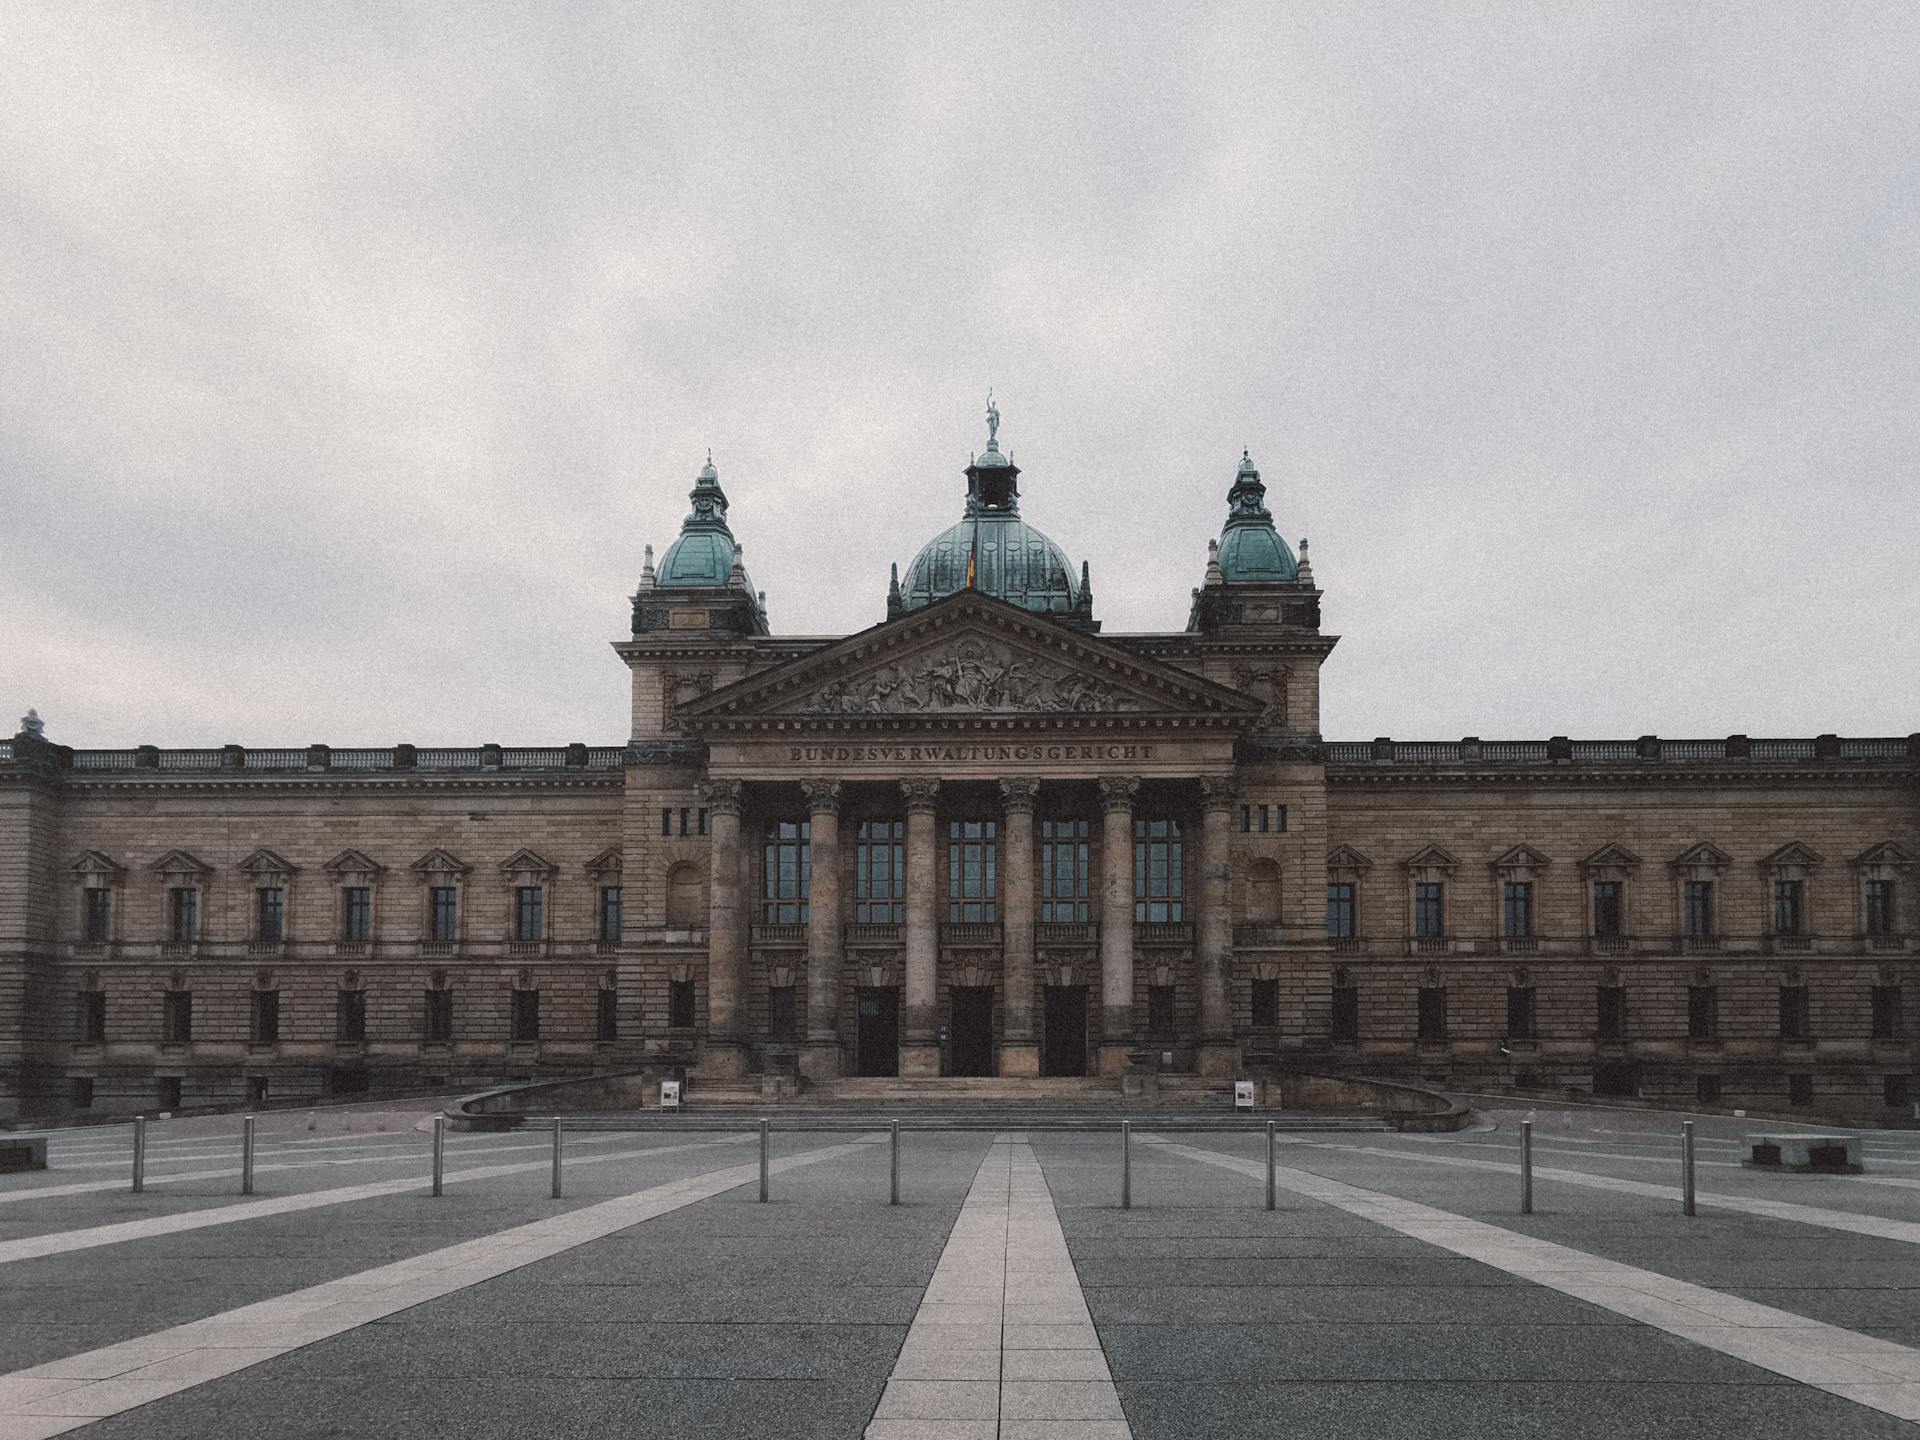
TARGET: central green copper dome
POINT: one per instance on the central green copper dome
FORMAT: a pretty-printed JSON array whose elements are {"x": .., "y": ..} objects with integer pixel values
[{"x": 992, "y": 550}]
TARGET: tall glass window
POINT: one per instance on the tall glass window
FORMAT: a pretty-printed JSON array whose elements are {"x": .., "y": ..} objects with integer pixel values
[
  {"x": 527, "y": 907},
  {"x": 1063, "y": 872},
  {"x": 356, "y": 912},
  {"x": 97, "y": 919},
  {"x": 1517, "y": 909},
  {"x": 1429, "y": 909},
  {"x": 1159, "y": 872},
  {"x": 879, "y": 873},
  {"x": 1697, "y": 911},
  {"x": 973, "y": 881},
  {"x": 787, "y": 872},
  {"x": 610, "y": 909},
  {"x": 443, "y": 912},
  {"x": 1879, "y": 907},
  {"x": 1608, "y": 921},
  {"x": 271, "y": 922},
  {"x": 183, "y": 911},
  {"x": 1789, "y": 907},
  {"x": 1340, "y": 910}
]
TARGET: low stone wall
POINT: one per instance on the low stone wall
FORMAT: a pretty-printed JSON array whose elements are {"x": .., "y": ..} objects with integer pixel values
[{"x": 1403, "y": 1106}]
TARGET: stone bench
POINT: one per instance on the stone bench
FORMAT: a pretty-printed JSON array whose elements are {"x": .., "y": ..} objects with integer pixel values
[
  {"x": 22, "y": 1152},
  {"x": 1805, "y": 1154}
]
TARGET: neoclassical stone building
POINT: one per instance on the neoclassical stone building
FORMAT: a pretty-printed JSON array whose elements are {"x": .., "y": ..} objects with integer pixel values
[{"x": 981, "y": 837}]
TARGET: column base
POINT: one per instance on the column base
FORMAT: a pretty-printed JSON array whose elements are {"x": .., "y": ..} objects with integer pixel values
[
  {"x": 1113, "y": 1058},
  {"x": 721, "y": 1060},
  {"x": 1020, "y": 1057},
  {"x": 1220, "y": 1059},
  {"x": 821, "y": 1060},
  {"x": 919, "y": 1060}
]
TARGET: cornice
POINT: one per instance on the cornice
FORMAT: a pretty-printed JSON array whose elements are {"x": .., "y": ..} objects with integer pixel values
[{"x": 1537, "y": 775}]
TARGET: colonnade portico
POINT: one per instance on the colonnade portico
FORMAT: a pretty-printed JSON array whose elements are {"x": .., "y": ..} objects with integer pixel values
[{"x": 1016, "y": 925}]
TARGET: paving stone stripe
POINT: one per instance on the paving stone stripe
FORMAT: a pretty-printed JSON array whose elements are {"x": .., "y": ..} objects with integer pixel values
[
  {"x": 1002, "y": 1346},
  {"x": 66, "y": 1394},
  {"x": 60, "y": 1242},
  {"x": 1879, "y": 1374}
]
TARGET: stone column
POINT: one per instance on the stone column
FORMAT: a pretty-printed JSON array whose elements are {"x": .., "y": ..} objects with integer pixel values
[
  {"x": 920, "y": 1042},
  {"x": 725, "y": 1051},
  {"x": 820, "y": 1058},
  {"x": 1219, "y": 1053},
  {"x": 1019, "y": 1051},
  {"x": 1116, "y": 922}
]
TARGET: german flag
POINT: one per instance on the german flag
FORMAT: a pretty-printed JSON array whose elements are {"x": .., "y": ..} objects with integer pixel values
[{"x": 970, "y": 567}]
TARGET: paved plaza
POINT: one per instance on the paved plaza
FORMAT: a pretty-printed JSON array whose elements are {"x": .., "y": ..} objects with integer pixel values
[{"x": 1394, "y": 1290}]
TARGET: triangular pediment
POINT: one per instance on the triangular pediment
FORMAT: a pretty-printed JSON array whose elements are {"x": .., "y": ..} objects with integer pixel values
[
  {"x": 92, "y": 862},
  {"x": 608, "y": 862},
  {"x": 1345, "y": 857},
  {"x": 353, "y": 862},
  {"x": 179, "y": 862},
  {"x": 266, "y": 862},
  {"x": 1794, "y": 854},
  {"x": 1702, "y": 856},
  {"x": 1611, "y": 857},
  {"x": 968, "y": 655},
  {"x": 523, "y": 862},
  {"x": 1886, "y": 853},
  {"x": 439, "y": 862},
  {"x": 1431, "y": 857},
  {"x": 1521, "y": 857}
]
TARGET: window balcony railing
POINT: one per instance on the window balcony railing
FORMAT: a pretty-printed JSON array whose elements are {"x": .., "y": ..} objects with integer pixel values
[
  {"x": 1700, "y": 944},
  {"x": 1067, "y": 932},
  {"x": 437, "y": 949},
  {"x": 1886, "y": 942},
  {"x": 1430, "y": 945},
  {"x": 1790, "y": 944},
  {"x": 1520, "y": 944},
  {"x": 1349, "y": 945},
  {"x": 970, "y": 933},
  {"x": 352, "y": 949},
  {"x": 782, "y": 934},
  {"x": 1611, "y": 944},
  {"x": 177, "y": 949},
  {"x": 266, "y": 949},
  {"x": 90, "y": 949},
  {"x": 1162, "y": 932},
  {"x": 521, "y": 949},
  {"x": 871, "y": 933}
]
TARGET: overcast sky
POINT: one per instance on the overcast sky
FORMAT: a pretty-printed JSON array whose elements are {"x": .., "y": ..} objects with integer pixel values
[{"x": 349, "y": 355}]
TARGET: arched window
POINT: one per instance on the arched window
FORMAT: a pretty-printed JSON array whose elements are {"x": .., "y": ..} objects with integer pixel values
[
  {"x": 686, "y": 897},
  {"x": 1263, "y": 892}
]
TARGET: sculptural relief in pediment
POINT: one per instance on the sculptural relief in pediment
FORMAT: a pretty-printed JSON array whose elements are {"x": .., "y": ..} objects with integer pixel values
[{"x": 973, "y": 677}]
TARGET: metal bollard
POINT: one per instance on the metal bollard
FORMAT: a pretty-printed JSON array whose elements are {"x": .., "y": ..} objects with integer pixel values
[
  {"x": 893, "y": 1177},
  {"x": 246, "y": 1155},
  {"x": 139, "y": 1153},
  {"x": 556, "y": 1157},
  {"x": 765, "y": 1127},
  {"x": 1526, "y": 1167},
  {"x": 439, "y": 1154},
  {"x": 1270, "y": 1184},
  {"x": 1126, "y": 1164},
  {"x": 1686, "y": 1168}
]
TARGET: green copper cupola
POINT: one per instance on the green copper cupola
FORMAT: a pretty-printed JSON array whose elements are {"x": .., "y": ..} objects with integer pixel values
[
  {"x": 703, "y": 555},
  {"x": 702, "y": 568},
  {"x": 1250, "y": 548}
]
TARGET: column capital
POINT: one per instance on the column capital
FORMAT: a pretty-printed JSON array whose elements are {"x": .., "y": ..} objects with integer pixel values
[
  {"x": 1217, "y": 792},
  {"x": 1117, "y": 791},
  {"x": 721, "y": 796},
  {"x": 923, "y": 795},
  {"x": 823, "y": 796},
  {"x": 1019, "y": 792}
]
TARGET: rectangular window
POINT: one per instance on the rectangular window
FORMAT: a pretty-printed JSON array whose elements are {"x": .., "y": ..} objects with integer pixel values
[
  {"x": 270, "y": 913},
  {"x": 1346, "y": 1014},
  {"x": 170, "y": 1089},
  {"x": 680, "y": 1005},
  {"x": 1894, "y": 1091},
  {"x": 702, "y": 815},
  {"x": 606, "y": 1025},
  {"x": 1889, "y": 1023},
  {"x": 1160, "y": 1012},
  {"x": 1794, "y": 1020},
  {"x": 439, "y": 1017},
  {"x": 443, "y": 913},
  {"x": 1610, "y": 1008},
  {"x": 265, "y": 1026},
  {"x": 1340, "y": 915},
  {"x": 1703, "y": 1012},
  {"x": 1520, "y": 1012},
  {"x": 80, "y": 1092},
  {"x": 781, "y": 1022},
  {"x": 686, "y": 817},
  {"x": 1429, "y": 909},
  {"x": 183, "y": 914},
  {"x": 528, "y": 902},
  {"x": 1516, "y": 909},
  {"x": 1246, "y": 818},
  {"x": 1609, "y": 918},
  {"x": 176, "y": 1017},
  {"x": 610, "y": 921},
  {"x": 666, "y": 822},
  {"x": 973, "y": 879},
  {"x": 350, "y": 1016},
  {"x": 1799, "y": 1090},
  {"x": 1063, "y": 872},
  {"x": 96, "y": 916},
  {"x": 787, "y": 872},
  {"x": 1706, "y": 1089},
  {"x": 1266, "y": 1004},
  {"x": 1789, "y": 917},
  {"x": 356, "y": 913},
  {"x": 879, "y": 873},
  {"x": 1433, "y": 1015},
  {"x": 1697, "y": 912},
  {"x": 526, "y": 1017},
  {"x": 1159, "y": 872},
  {"x": 93, "y": 1017},
  {"x": 1880, "y": 907}
]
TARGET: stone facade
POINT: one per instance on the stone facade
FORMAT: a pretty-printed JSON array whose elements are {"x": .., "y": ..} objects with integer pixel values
[{"x": 980, "y": 837}]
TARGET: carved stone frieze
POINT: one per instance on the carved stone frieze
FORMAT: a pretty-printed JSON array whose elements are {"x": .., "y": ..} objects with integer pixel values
[{"x": 978, "y": 675}]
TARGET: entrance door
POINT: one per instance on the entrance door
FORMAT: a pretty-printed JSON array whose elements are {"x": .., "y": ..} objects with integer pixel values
[
  {"x": 876, "y": 1041},
  {"x": 970, "y": 1030},
  {"x": 1063, "y": 1043}
]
